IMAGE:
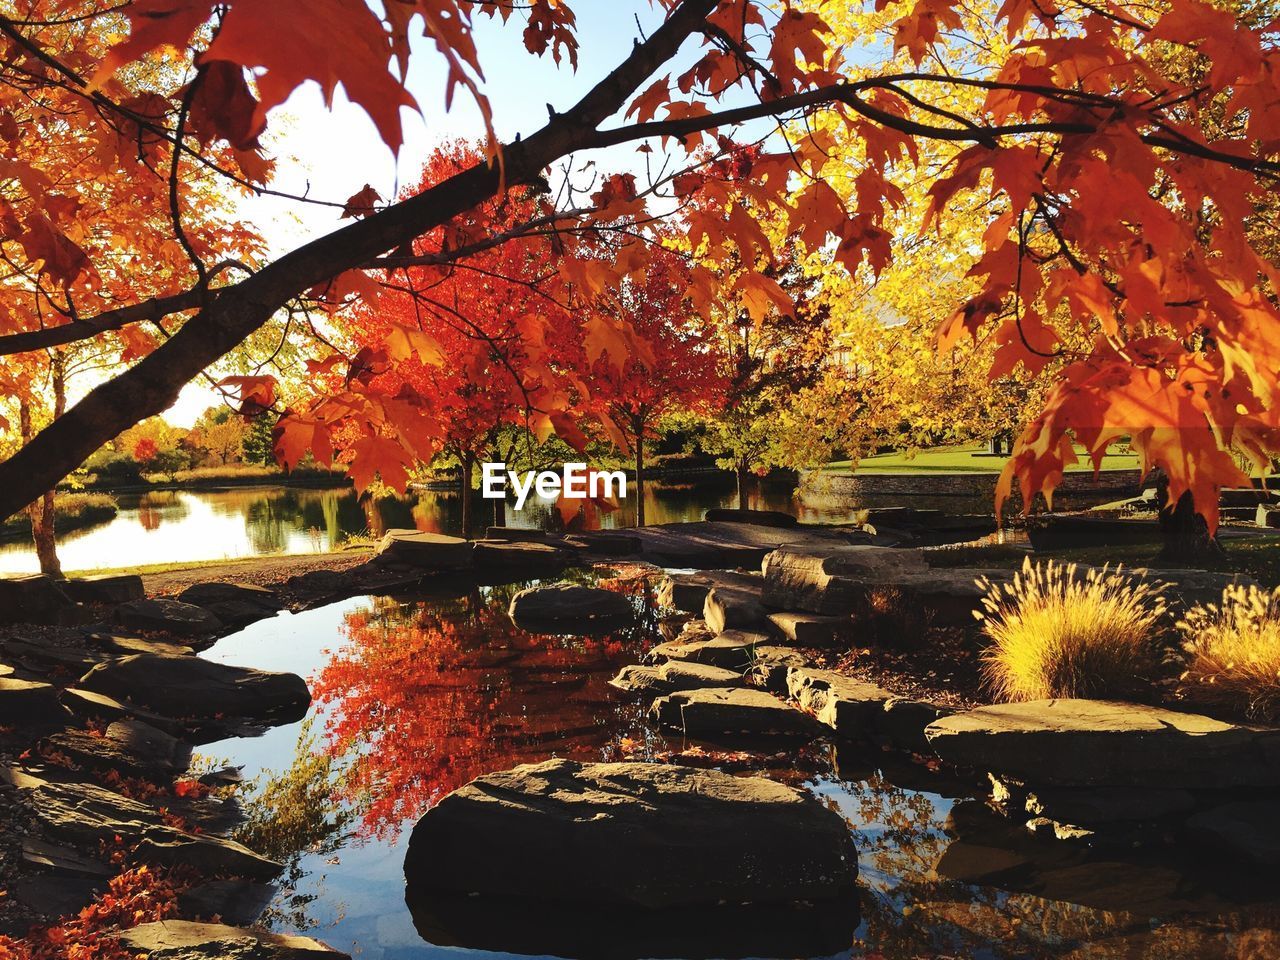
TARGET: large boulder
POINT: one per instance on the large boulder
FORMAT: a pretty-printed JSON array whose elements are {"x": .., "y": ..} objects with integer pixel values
[
  {"x": 33, "y": 599},
  {"x": 636, "y": 834},
  {"x": 1101, "y": 742},
  {"x": 200, "y": 690},
  {"x": 189, "y": 940},
  {"x": 570, "y": 608},
  {"x": 736, "y": 711},
  {"x": 170, "y": 616},
  {"x": 433, "y": 552}
]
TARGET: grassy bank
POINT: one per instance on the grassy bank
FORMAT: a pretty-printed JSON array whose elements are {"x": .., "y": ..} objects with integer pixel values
[
  {"x": 72, "y": 511},
  {"x": 966, "y": 458},
  {"x": 232, "y": 475}
]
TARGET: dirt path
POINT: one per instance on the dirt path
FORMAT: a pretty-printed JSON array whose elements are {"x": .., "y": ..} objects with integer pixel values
[{"x": 262, "y": 571}]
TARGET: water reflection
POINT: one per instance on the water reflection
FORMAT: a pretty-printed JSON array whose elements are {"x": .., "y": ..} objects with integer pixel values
[{"x": 416, "y": 695}]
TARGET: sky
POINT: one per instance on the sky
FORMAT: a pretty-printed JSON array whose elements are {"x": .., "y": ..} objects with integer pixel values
[{"x": 330, "y": 154}]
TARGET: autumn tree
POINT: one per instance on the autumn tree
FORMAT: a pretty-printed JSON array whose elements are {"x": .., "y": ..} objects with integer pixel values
[
  {"x": 1172, "y": 299},
  {"x": 220, "y": 434},
  {"x": 682, "y": 371}
]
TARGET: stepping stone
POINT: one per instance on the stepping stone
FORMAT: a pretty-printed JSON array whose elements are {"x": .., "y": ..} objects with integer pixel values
[
  {"x": 571, "y": 608},
  {"x": 192, "y": 688},
  {"x": 903, "y": 722},
  {"x": 1091, "y": 806},
  {"x": 170, "y": 616},
  {"x": 723, "y": 651},
  {"x": 105, "y": 589},
  {"x": 772, "y": 664},
  {"x": 189, "y": 940},
  {"x": 1106, "y": 743},
  {"x": 672, "y": 676},
  {"x": 123, "y": 646},
  {"x": 91, "y": 705},
  {"x": 740, "y": 710},
  {"x": 497, "y": 561},
  {"x": 424, "y": 551},
  {"x": 28, "y": 701},
  {"x": 852, "y": 708},
  {"x": 831, "y": 580},
  {"x": 812, "y": 629},
  {"x": 731, "y": 608},
  {"x": 557, "y": 831},
  {"x": 688, "y": 591}
]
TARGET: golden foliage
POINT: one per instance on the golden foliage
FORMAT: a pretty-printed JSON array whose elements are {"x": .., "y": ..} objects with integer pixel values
[{"x": 1233, "y": 653}]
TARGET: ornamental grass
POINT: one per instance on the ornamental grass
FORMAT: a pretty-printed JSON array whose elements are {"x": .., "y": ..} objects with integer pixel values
[
  {"x": 1233, "y": 653},
  {"x": 1056, "y": 631}
]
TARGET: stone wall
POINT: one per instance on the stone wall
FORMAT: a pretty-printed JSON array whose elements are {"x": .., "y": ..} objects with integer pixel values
[{"x": 1121, "y": 483}]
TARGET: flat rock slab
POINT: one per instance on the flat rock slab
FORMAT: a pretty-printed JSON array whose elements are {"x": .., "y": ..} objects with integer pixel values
[
  {"x": 91, "y": 705},
  {"x": 708, "y": 545},
  {"x": 688, "y": 591},
  {"x": 233, "y": 603},
  {"x": 1109, "y": 743},
  {"x": 85, "y": 814},
  {"x": 760, "y": 518},
  {"x": 812, "y": 629},
  {"x": 672, "y": 676},
  {"x": 129, "y": 747},
  {"x": 33, "y": 599},
  {"x": 424, "y": 551},
  {"x": 741, "y": 710},
  {"x": 503, "y": 561},
  {"x": 848, "y": 706},
  {"x": 170, "y": 616},
  {"x": 121, "y": 646},
  {"x": 28, "y": 701},
  {"x": 724, "y": 651},
  {"x": 570, "y": 608},
  {"x": 105, "y": 589},
  {"x": 189, "y": 940},
  {"x": 1247, "y": 829},
  {"x": 202, "y": 690},
  {"x": 829, "y": 579},
  {"x": 731, "y": 608},
  {"x": 561, "y": 830}
]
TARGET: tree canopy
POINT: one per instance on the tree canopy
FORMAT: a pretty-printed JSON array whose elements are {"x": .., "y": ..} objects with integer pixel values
[{"x": 1126, "y": 155}]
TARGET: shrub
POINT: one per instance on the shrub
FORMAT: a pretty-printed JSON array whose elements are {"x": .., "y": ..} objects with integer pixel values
[
  {"x": 1055, "y": 633},
  {"x": 1233, "y": 653}
]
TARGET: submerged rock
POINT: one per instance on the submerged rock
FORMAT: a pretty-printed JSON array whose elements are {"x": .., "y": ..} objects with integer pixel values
[
  {"x": 1246, "y": 829},
  {"x": 635, "y": 834},
  {"x": 1102, "y": 742},
  {"x": 188, "y": 940},
  {"x": 570, "y": 608},
  {"x": 741, "y": 710},
  {"x": 196, "y": 689},
  {"x": 171, "y": 616}
]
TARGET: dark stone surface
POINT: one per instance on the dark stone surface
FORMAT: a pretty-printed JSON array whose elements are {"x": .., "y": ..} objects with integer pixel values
[
  {"x": 559, "y": 830},
  {"x": 747, "y": 711},
  {"x": 852, "y": 708},
  {"x": 129, "y": 747},
  {"x": 424, "y": 551},
  {"x": 506, "y": 562},
  {"x": 759, "y": 518},
  {"x": 34, "y": 598},
  {"x": 688, "y": 591},
  {"x": 237, "y": 902},
  {"x": 731, "y": 608},
  {"x": 674, "y": 675},
  {"x": 105, "y": 589},
  {"x": 170, "y": 616},
  {"x": 28, "y": 701},
  {"x": 570, "y": 608},
  {"x": 189, "y": 687},
  {"x": 1247, "y": 830}
]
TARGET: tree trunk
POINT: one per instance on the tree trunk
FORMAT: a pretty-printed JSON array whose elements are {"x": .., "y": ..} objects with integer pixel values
[
  {"x": 464, "y": 482},
  {"x": 42, "y": 512},
  {"x": 639, "y": 480},
  {"x": 742, "y": 486},
  {"x": 1185, "y": 532}
]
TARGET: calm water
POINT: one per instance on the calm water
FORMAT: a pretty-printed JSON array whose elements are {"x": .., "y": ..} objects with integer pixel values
[
  {"x": 180, "y": 525},
  {"x": 415, "y": 696}
]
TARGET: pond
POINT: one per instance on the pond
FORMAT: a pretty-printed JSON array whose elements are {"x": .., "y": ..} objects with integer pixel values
[
  {"x": 173, "y": 526},
  {"x": 416, "y": 695}
]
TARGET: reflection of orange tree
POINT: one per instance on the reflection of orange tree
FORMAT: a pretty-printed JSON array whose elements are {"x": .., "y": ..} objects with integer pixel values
[{"x": 426, "y": 696}]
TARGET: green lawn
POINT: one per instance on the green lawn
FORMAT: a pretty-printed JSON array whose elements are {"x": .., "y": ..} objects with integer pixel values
[{"x": 968, "y": 458}]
